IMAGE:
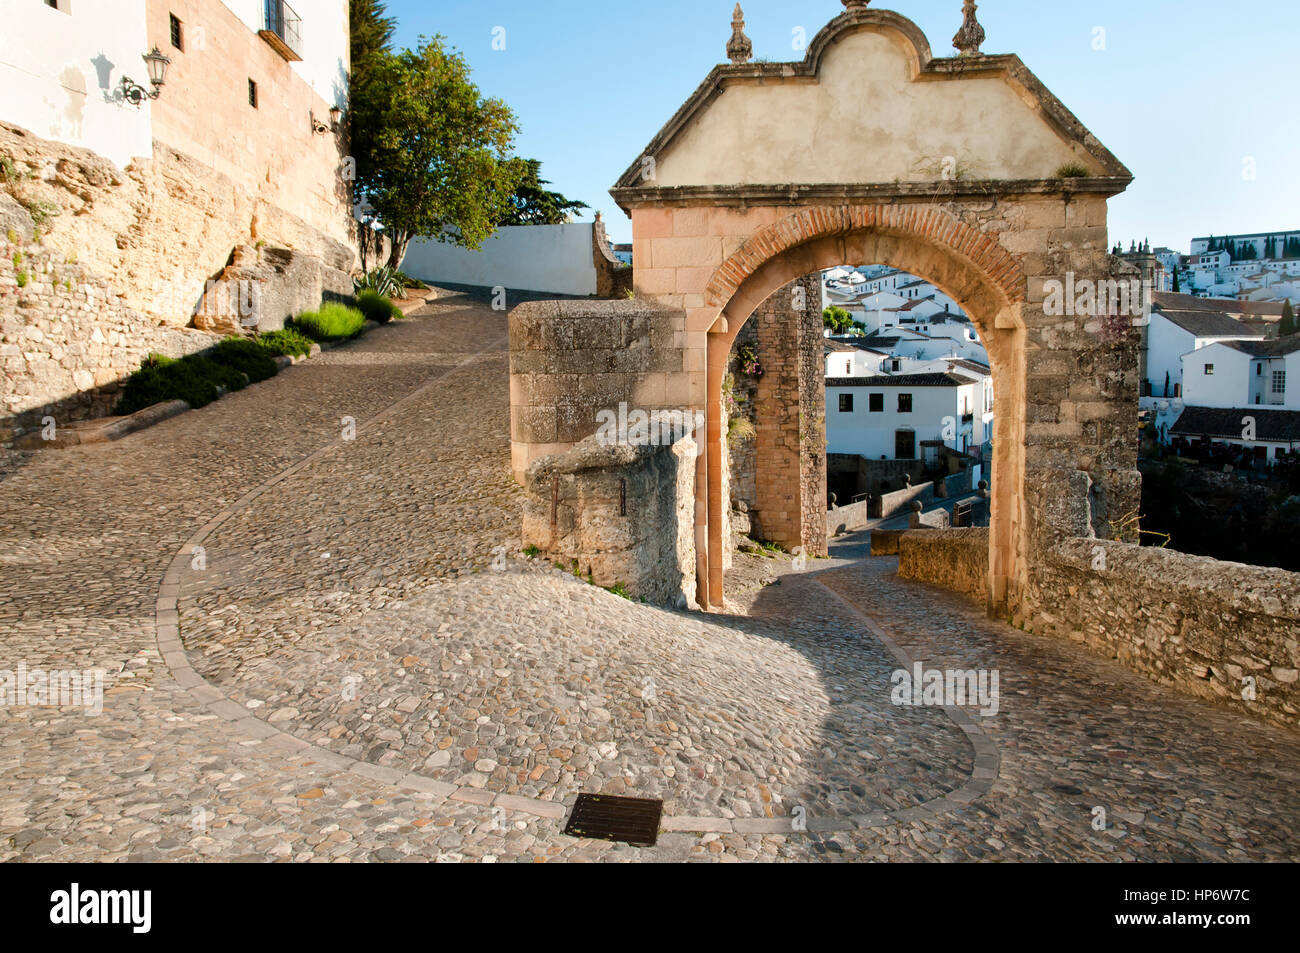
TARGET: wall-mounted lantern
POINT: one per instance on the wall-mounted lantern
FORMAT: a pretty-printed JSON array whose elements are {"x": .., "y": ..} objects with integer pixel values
[
  {"x": 133, "y": 92},
  {"x": 318, "y": 127}
]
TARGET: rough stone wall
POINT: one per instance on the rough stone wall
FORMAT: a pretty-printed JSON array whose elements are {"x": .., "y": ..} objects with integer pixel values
[
  {"x": 158, "y": 230},
  {"x": 613, "y": 278},
  {"x": 145, "y": 241},
  {"x": 1192, "y": 622},
  {"x": 624, "y": 514},
  {"x": 956, "y": 559},
  {"x": 741, "y": 455},
  {"x": 571, "y": 360},
  {"x": 790, "y": 410},
  {"x": 66, "y": 339}
]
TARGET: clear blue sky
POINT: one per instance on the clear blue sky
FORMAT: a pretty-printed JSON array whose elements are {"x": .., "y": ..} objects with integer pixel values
[{"x": 1183, "y": 93}]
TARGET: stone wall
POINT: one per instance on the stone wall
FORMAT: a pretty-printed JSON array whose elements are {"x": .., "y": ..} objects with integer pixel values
[
  {"x": 846, "y": 519},
  {"x": 66, "y": 338},
  {"x": 145, "y": 240},
  {"x": 956, "y": 559},
  {"x": 1189, "y": 621},
  {"x": 613, "y": 277},
  {"x": 900, "y": 501},
  {"x": 572, "y": 360},
  {"x": 619, "y": 514}
]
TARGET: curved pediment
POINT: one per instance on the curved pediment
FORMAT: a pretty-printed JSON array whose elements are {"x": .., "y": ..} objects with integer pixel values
[{"x": 870, "y": 109}]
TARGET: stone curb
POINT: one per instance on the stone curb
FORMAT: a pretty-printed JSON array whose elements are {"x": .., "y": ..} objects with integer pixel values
[
  {"x": 115, "y": 428},
  {"x": 103, "y": 430},
  {"x": 216, "y": 702}
]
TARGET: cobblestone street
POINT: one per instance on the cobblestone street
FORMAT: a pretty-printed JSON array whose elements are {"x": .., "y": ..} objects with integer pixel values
[{"x": 318, "y": 650}]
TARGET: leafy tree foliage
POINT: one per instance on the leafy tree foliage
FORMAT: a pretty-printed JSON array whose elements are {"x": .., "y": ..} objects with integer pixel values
[
  {"x": 533, "y": 204},
  {"x": 440, "y": 153}
]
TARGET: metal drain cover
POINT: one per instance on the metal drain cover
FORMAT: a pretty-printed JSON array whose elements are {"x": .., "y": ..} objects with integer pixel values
[{"x": 633, "y": 820}]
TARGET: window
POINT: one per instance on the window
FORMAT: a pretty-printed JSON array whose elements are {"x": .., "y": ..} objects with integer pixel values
[
  {"x": 904, "y": 403},
  {"x": 178, "y": 35},
  {"x": 1279, "y": 382},
  {"x": 876, "y": 403},
  {"x": 252, "y": 94},
  {"x": 1259, "y": 370},
  {"x": 848, "y": 367},
  {"x": 1209, "y": 370},
  {"x": 846, "y": 403}
]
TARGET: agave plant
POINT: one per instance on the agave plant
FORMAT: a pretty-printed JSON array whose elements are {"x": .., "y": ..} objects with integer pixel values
[{"x": 384, "y": 281}]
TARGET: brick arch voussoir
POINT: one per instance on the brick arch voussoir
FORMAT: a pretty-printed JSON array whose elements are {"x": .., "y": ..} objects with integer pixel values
[{"x": 924, "y": 223}]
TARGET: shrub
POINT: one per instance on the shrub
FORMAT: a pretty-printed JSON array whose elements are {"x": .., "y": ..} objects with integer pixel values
[
  {"x": 384, "y": 281},
  {"x": 409, "y": 282},
  {"x": 246, "y": 356},
  {"x": 333, "y": 322},
  {"x": 1072, "y": 170},
  {"x": 192, "y": 379},
  {"x": 376, "y": 307},
  {"x": 287, "y": 341}
]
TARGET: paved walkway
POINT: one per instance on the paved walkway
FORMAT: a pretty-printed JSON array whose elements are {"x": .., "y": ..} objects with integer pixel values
[{"x": 348, "y": 677}]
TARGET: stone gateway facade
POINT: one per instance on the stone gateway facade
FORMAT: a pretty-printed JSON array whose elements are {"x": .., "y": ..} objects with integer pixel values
[{"x": 981, "y": 182}]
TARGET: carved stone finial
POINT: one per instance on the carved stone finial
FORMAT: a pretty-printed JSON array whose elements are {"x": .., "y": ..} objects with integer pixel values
[
  {"x": 856, "y": 4},
  {"x": 971, "y": 34},
  {"x": 739, "y": 48}
]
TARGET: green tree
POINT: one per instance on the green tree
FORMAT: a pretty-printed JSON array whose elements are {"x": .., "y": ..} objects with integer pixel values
[
  {"x": 440, "y": 164},
  {"x": 1288, "y": 325},
  {"x": 1176, "y": 288},
  {"x": 838, "y": 320},
  {"x": 532, "y": 204},
  {"x": 372, "y": 36}
]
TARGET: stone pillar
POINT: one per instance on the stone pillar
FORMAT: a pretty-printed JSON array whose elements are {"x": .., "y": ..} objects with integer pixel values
[{"x": 790, "y": 412}]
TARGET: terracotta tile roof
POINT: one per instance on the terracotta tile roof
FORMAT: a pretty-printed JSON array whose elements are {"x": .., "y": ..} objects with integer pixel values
[
  {"x": 1276, "y": 347},
  {"x": 1276, "y": 426},
  {"x": 902, "y": 380},
  {"x": 1231, "y": 306}
]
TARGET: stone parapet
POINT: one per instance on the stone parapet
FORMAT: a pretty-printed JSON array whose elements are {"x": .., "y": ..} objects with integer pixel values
[
  {"x": 1218, "y": 630},
  {"x": 619, "y": 515},
  {"x": 956, "y": 559}
]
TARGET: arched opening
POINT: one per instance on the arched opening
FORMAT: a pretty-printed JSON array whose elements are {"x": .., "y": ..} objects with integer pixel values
[{"x": 983, "y": 295}]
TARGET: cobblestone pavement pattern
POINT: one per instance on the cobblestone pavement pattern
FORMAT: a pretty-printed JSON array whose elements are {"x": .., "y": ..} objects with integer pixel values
[{"x": 359, "y": 604}]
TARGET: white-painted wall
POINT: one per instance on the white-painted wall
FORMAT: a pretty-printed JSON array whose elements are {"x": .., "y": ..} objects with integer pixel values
[
  {"x": 58, "y": 71},
  {"x": 1228, "y": 386},
  {"x": 873, "y": 434},
  {"x": 855, "y": 363},
  {"x": 326, "y": 50},
  {"x": 551, "y": 258}
]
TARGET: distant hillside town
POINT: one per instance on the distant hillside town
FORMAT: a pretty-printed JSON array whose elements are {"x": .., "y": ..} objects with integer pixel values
[{"x": 1264, "y": 266}]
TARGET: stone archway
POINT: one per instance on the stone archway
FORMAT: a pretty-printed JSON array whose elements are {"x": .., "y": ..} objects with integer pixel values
[
  {"x": 972, "y": 175},
  {"x": 976, "y": 178},
  {"x": 924, "y": 240}
]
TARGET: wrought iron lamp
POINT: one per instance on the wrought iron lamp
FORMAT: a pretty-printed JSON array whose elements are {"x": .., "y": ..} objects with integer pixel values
[
  {"x": 157, "y": 63},
  {"x": 318, "y": 127}
]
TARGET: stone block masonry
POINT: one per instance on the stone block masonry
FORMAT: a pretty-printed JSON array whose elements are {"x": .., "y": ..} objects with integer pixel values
[
  {"x": 790, "y": 410},
  {"x": 619, "y": 515},
  {"x": 571, "y": 360}
]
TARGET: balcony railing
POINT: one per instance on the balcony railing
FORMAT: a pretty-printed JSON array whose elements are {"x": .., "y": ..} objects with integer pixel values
[{"x": 283, "y": 30}]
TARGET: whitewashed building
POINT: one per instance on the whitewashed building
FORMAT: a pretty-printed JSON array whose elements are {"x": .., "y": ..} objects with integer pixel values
[{"x": 890, "y": 417}]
